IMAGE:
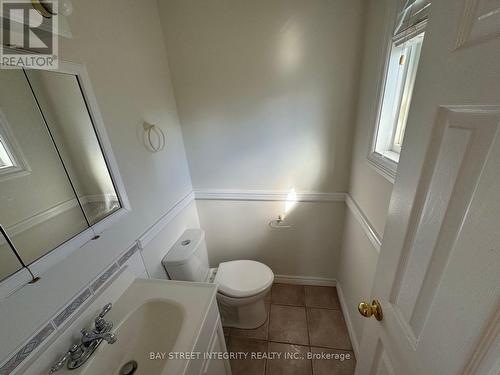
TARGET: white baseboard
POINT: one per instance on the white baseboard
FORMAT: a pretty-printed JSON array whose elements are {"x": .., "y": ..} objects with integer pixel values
[
  {"x": 320, "y": 281},
  {"x": 348, "y": 320},
  {"x": 304, "y": 280}
]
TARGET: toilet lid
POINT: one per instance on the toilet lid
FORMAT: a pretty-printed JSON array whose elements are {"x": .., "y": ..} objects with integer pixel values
[{"x": 243, "y": 278}]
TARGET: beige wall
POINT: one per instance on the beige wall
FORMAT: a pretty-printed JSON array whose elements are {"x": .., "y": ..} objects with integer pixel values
[
  {"x": 310, "y": 247},
  {"x": 272, "y": 83},
  {"x": 367, "y": 186},
  {"x": 266, "y": 93},
  {"x": 356, "y": 270},
  {"x": 369, "y": 189},
  {"x": 121, "y": 44},
  {"x": 266, "y": 90}
]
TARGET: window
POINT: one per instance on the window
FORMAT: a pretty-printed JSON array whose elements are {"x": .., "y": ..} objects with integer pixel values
[
  {"x": 397, "y": 95},
  {"x": 5, "y": 159},
  {"x": 397, "y": 87},
  {"x": 12, "y": 162}
]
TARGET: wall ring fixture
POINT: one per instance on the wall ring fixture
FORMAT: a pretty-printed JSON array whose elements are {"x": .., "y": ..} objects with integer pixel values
[
  {"x": 46, "y": 9},
  {"x": 154, "y": 137}
]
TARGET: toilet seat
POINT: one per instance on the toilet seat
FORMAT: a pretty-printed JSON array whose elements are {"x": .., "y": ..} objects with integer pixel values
[{"x": 243, "y": 278}]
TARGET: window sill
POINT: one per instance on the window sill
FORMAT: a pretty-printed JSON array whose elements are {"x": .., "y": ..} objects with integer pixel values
[
  {"x": 391, "y": 156},
  {"x": 21, "y": 168},
  {"x": 15, "y": 172},
  {"x": 383, "y": 165}
]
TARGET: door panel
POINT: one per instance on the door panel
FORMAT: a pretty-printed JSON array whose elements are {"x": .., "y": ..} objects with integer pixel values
[
  {"x": 461, "y": 141},
  {"x": 480, "y": 21},
  {"x": 382, "y": 362},
  {"x": 438, "y": 274}
]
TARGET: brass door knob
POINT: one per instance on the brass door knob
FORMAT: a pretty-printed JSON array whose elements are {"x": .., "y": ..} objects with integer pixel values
[{"x": 368, "y": 310}]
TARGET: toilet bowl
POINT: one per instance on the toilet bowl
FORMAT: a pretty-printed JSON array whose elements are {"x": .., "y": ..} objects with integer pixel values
[
  {"x": 241, "y": 284},
  {"x": 242, "y": 287}
]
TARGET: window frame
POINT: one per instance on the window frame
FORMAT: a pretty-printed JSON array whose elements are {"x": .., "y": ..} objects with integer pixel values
[
  {"x": 4, "y": 150},
  {"x": 413, "y": 57},
  {"x": 387, "y": 164},
  {"x": 20, "y": 166}
]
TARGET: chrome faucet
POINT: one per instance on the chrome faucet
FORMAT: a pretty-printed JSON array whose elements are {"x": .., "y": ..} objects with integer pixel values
[
  {"x": 78, "y": 354},
  {"x": 90, "y": 337}
]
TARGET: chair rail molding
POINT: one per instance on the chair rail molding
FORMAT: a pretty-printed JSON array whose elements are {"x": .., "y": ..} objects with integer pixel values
[
  {"x": 281, "y": 195},
  {"x": 266, "y": 195},
  {"x": 368, "y": 228}
]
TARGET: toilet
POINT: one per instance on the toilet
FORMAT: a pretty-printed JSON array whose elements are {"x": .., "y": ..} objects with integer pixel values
[{"x": 241, "y": 284}]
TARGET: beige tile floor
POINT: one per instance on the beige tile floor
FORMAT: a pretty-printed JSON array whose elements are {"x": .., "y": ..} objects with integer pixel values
[{"x": 301, "y": 320}]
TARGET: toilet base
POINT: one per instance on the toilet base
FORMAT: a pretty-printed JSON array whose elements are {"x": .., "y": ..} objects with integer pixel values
[{"x": 245, "y": 313}]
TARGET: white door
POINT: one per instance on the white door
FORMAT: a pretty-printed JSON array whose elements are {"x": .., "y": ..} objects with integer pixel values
[{"x": 438, "y": 276}]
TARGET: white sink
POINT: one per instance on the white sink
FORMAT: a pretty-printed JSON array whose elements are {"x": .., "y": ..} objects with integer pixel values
[
  {"x": 149, "y": 316},
  {"x": 154, "y": 326}
]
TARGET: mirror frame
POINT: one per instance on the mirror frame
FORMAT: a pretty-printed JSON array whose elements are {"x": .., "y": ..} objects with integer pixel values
[{"x": 15, "y": 281}]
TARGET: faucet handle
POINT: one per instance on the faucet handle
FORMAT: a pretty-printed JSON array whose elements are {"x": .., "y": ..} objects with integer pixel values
[
  {"x": 71, "y": 353},
  {"x": 62, "y": 361},
  {"x": 102, "y": 325},
  {"x": 84, "y": 332},
  {"x": 109, "y": 337},
  {"x": 105, "y": 310},
  {"x": 59, "y": 364},
  {"x": 99, "y": 322},
  {"x": 75, "y": 351}
]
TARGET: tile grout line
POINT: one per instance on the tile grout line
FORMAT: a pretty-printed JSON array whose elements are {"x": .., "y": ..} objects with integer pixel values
[
  {"x": 265, "y": 364},
  {"x": 268, "y": 325},
  {"x": 311, "y": 307},
  {"x": 307, "y": 327},
  {"x": 309, "y": 346},
  {"x": 308, "y": 334},
  {"x": 293, "y": 343}
]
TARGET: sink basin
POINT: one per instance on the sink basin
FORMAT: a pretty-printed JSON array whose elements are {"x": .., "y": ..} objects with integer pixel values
[
  {"x": 151, "y": 318},
  {"x": 153, "y": 327}
]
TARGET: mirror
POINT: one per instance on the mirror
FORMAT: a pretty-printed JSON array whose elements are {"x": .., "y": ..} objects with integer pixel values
[
  {"x": 9, "y": 263},
  {"x": 54, "y": 180},
  {"x": 65, "y": 111}
]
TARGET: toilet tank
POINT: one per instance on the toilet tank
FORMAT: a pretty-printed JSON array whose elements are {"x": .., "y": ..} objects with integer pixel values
[{"x": 187, "y": 259}]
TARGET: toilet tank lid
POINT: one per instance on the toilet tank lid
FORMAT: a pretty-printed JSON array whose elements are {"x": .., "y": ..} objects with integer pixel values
[{"x": 184, "y": 247}]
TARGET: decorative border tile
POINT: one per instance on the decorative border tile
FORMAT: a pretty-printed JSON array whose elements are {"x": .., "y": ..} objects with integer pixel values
[
  {"x": 34, "y": 342},
  {"x": 128, "y": 254},
  {"x": 72, "y": 307},
  {"x": 104, "y": 277},
  {"x": 8, "y": 365},
  {"x": 11, "y": 364},
  {"x": 27, "y": 349}
]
